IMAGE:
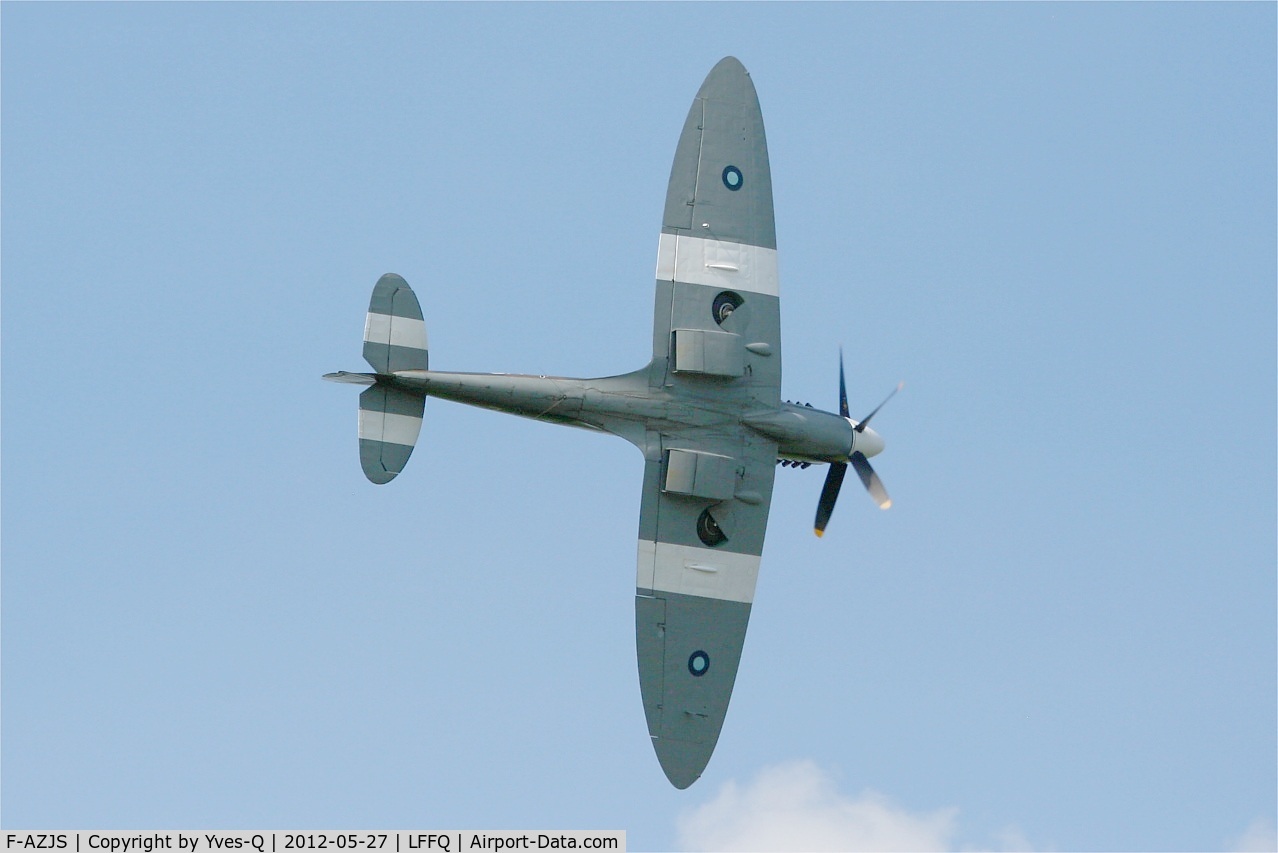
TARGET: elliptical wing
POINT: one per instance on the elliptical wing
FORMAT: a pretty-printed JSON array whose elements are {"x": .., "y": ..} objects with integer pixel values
[{"x": 707, "y": 489}]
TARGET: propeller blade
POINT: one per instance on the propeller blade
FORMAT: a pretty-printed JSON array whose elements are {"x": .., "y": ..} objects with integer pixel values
[
  {"x": 869, "y": 479},
  {"x": 829, "y": 494},
  {"x": 861, "y": 426},
  {"x": 843, "y": 390}
]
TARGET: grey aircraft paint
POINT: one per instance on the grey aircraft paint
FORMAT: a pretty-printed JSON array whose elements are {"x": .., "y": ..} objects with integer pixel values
[{"x": 706, "y": 413}]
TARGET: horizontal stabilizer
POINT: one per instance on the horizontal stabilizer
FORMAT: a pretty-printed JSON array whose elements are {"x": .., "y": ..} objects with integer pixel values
[
  {"x": 394, "y": 333},
  {"x": 389, "y": 423}
]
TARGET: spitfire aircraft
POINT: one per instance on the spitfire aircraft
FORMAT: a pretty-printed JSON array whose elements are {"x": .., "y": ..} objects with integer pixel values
[{"x": 706, "y": 413}]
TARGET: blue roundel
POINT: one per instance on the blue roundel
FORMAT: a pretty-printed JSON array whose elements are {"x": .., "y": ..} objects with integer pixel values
[
  {"x": 698, "y": 663},
  {"x": 732, "y": 178}
]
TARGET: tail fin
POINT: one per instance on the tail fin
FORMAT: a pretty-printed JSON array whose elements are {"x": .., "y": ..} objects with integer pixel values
[{"x": 390, "y": 419}]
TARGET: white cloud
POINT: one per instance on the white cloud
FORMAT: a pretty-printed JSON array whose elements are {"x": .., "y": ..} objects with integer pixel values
[
  {"x": 796, "y": 806},
  {"x": 1011, "y": 838},
  {"x": 1260, "y": 835}
]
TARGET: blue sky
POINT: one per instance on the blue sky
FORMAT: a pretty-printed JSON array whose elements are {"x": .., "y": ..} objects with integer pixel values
[{"x": 1055, "y": 222}]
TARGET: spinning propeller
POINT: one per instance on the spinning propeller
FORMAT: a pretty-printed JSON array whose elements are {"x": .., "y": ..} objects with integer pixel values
[{"x": 834, "y": 479}]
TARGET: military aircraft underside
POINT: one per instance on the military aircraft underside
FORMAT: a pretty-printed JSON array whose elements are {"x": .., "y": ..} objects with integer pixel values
[{"x": 706, "y": 413}]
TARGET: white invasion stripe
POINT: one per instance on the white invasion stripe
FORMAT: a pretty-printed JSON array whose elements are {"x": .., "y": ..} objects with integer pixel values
[
  {"x": 717, "y": 263},
  {"x": 389, "y": 427},
  {"x": 397, "y": 331},
  {"x": 697, "y": 571}
]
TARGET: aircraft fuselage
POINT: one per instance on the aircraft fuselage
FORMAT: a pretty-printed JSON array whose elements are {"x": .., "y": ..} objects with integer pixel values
[{"x": 630, "y": 406}]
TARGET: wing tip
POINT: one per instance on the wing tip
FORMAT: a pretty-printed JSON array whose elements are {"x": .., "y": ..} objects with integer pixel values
[{"x": 683, "y": 762}]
